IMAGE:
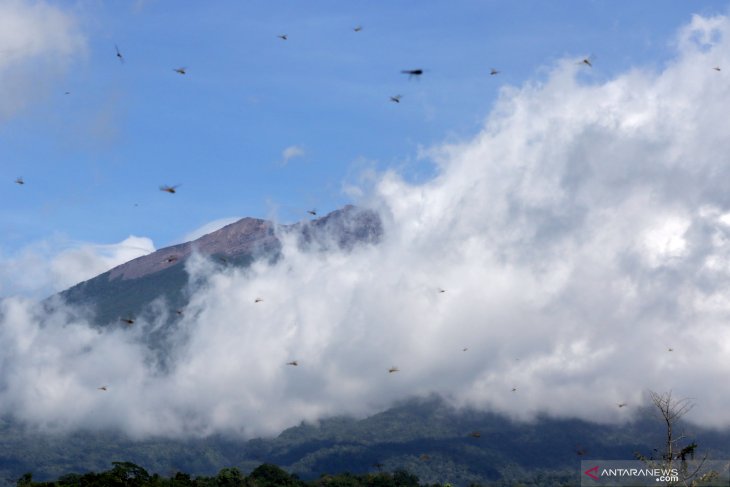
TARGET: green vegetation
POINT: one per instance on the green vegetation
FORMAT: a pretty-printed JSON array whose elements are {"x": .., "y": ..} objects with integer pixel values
[
  {"x": 127, "y": 474},
  {"x": 111, "y": 299},
  {"x": 425, "y": 437}
]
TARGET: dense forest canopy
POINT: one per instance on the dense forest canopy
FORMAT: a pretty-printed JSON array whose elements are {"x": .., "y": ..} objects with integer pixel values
[{"x": 128, "y": 474}]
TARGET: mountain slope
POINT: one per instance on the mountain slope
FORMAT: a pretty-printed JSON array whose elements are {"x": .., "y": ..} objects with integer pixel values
[
  {"x": 426, "y": 437},
  {"x": 128, "y": 289}
]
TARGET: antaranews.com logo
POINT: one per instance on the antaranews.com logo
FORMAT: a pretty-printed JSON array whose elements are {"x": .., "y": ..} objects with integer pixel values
[
  {"x": 661, "y": 475},
  {"x": 611, "y": 473}
]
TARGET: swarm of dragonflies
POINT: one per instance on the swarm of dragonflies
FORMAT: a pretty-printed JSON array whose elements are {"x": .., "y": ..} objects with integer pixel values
[{"x": 587, "y": 61}]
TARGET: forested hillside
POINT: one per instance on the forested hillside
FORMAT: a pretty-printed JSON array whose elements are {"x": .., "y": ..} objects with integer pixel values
[{"x": 425, "y": 437}]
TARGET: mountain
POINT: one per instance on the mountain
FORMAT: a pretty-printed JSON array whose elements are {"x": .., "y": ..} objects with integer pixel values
[
  {"x": 128, "y": 290},
  {"x": 426, "y": 437}
]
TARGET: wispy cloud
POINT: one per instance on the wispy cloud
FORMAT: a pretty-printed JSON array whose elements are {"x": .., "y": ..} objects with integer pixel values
[
  {"x": 580, "y": 235},
  {"x": 290, "y": 153},
  {"x": 53, "y": 265},
  {"x": 34, "y": 37}
]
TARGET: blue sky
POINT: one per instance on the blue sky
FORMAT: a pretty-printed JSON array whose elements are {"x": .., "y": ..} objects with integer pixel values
[{"x": 220, "y": 131}]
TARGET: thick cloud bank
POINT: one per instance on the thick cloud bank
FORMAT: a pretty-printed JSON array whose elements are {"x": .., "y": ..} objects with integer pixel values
[{"x": 580, "y": 236}]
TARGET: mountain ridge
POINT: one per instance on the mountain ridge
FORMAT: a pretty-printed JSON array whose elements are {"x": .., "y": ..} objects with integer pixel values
[
  {"x": 424, "y": 436},
  {"x": 127, "y": 289}
]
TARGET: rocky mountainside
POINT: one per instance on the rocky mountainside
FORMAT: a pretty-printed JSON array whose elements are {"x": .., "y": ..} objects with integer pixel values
[{"x": 128, "y": 289}]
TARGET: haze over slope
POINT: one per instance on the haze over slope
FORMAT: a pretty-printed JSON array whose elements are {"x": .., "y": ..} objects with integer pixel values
[{"x": 580, "y": 235}]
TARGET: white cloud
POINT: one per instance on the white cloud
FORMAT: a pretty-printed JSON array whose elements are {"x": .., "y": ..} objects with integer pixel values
[
  {"x": 290, "y": 153},
  {"x": 88, "y": 260},
  {"x": 41, "y": 269},
  {"x": 665, "y": 240},
  {"x": 35, "y": 38},
  {"x": 579, "y": 236}
]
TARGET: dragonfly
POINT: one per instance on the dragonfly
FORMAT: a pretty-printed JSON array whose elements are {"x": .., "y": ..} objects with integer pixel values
[
  {"x": 169, "y": 189},
  {"x": 412, "y": 72}
]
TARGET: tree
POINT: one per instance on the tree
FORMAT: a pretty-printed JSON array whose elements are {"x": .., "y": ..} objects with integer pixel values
[
  {"x": 25, "y": 479},
  {"x": 674, "y": 456},
  {"x": 128, "y": 474},
  {"x": 268, "y": 475},
  {"x": 401, "y": 478},
  {"x": 229, "y": 477}
]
